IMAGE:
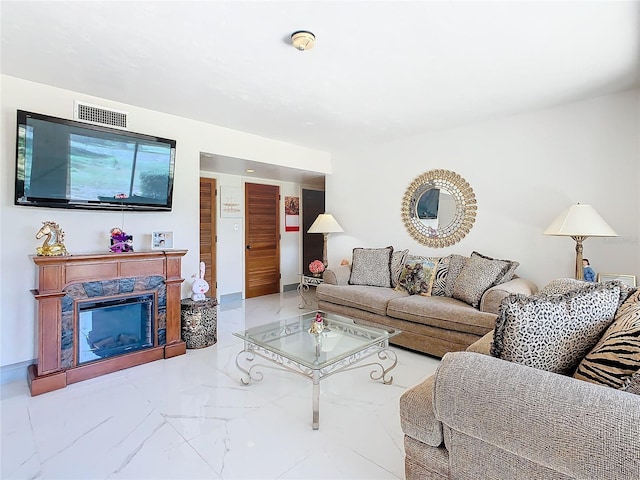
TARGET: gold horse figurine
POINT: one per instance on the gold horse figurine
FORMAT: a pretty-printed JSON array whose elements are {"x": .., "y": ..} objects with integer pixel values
[{"x": 53, "y": 244}]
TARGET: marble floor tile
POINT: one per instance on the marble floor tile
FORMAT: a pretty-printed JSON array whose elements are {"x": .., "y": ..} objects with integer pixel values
[{"x": 190, "y": 417}]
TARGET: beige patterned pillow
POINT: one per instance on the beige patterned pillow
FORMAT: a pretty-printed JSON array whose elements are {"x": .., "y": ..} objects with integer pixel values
[
  {"x": 478, "y": 275},
  {"x": 560, "y": 286},
  {"x": 617, "y": 354},
  {"x": 371, "y": 266},
  {"x": 510, "y": 271},
  {"x": 456, "y": 264}
]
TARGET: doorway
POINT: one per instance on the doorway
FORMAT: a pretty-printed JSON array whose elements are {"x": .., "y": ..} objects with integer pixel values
[
  {"x": 312, "y": 243},
  {"x": 262, "y": 240}
]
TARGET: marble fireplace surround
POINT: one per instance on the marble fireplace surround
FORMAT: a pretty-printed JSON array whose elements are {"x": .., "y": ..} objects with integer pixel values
[{"x": 64, "y": 281}]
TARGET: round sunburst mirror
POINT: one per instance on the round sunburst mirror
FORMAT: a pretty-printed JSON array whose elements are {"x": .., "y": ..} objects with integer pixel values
[{"x": 439, "y": 208}]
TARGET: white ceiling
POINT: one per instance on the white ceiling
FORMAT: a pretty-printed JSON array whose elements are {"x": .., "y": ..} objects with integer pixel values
[{"x": 380, "y": 70}]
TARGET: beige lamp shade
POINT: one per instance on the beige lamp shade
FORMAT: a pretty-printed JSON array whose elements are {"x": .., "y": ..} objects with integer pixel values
[
  {"x": 325, "y": 224},
  {"x": 579, "y": 222}
]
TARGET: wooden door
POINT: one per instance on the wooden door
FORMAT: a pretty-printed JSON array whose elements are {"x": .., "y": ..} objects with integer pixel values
[
  {"x": 208, "y": 236},
  {"x": 312, "y": 243},
  {"x": 262, "y": 240}
]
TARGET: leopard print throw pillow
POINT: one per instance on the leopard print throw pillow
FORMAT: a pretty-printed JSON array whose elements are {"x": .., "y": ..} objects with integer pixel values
[{"x": 554, "y": 333}]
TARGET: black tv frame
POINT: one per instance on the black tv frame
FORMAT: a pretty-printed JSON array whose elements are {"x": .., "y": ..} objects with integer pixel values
[{"x": 132, "y": 203}]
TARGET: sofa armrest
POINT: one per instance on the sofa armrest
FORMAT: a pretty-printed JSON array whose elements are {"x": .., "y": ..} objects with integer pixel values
[
  {"x": 492, "y": 298},
  {"x": 337, "y": 275},
  {"x": 573, "y": 427},
  {"x": 417, "y": 418}
]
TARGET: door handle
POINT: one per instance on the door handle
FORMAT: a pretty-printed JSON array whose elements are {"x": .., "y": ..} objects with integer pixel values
[{"x": 248, "y": 247}]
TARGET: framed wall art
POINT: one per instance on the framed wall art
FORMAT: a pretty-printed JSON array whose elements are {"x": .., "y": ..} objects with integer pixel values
[
  {"x": 230, "y": 201},
  {"x": 291, "y": 214}
]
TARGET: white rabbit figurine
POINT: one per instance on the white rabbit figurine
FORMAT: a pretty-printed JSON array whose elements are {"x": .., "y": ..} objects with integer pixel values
[{"x": 199, "y": 286}]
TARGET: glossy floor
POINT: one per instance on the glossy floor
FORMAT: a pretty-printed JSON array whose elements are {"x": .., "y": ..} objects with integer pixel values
[{"x": 189, "y": 417}]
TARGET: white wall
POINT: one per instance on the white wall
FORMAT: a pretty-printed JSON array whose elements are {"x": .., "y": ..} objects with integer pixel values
[
  {"x": 524, "y": 170},
  {"x": 88, "y": 231}
]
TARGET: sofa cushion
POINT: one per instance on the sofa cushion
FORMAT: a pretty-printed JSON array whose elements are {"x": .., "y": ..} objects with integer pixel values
[
  {"x": 456, "y": 264},
  {"x": 554, "y": 333},
  {"x": 398, "y": 259},
  {"x": 477, "y": 276},
  {"x": 363, "y": 297},
  {"x": 417, "y": 277},
  {"x": 483, "y": 345},
  {"x": 371, "y": 266},
  {"x": 632, "y": 384},
  {"x": 441, "y": 312},
  {"x": 616, "y": 356}
]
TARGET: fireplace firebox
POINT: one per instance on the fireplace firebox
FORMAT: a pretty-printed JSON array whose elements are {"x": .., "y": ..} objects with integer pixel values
[
  {"x": 108, "y": 328},
  {"x": 99, "y": 313}
]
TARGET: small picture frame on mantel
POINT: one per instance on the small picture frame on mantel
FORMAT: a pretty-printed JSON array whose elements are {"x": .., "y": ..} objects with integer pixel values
[
  {"x": 629, "y": 280},
  {"x": 161, "y": 240}
]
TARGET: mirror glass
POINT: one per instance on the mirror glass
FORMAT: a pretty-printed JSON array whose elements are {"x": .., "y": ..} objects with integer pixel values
[{"x": 439, "y": 208}]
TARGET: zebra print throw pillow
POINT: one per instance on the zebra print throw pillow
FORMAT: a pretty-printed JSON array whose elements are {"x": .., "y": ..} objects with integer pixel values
[
  {"x": 440, "y": 280},
  {"x": 617, "y": 354}
]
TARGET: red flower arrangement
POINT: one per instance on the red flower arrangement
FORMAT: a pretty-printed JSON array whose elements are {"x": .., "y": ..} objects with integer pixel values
[{"x": 316, "y": 267}]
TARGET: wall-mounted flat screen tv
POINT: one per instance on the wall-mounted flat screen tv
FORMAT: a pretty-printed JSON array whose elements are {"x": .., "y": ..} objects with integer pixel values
[{"x": 67, "y": 164}]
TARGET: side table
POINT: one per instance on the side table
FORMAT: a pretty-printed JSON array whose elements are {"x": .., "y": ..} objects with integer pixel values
[
  {"x": 199, "y": 322},
  {"x": 305, "y": 282}
]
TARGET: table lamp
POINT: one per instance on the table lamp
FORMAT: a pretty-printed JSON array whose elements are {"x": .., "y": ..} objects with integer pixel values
[
  {"x": 325, "y": 224},
  {"x": 579, "y": 222}
]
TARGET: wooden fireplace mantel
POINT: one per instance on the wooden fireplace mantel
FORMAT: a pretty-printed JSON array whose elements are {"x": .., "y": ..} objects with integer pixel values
[{"x": 55, "y": 273}]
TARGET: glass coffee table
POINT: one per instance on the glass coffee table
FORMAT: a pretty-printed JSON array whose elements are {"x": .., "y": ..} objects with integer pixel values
[{"x": 341, "y": 346}]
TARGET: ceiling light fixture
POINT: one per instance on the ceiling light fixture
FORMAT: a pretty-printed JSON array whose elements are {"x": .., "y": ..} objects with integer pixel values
[{"x": 303, "y": 40}]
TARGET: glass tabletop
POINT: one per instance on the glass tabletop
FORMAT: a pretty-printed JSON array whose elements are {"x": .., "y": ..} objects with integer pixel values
[{"x": 339, "y": 339}]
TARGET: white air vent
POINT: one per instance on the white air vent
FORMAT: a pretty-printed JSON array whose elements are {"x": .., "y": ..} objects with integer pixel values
[{"x": 99, "y": 115}]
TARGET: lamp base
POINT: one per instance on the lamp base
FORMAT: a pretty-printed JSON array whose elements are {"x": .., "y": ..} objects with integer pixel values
[
  {"x": 579, "y": 266},
  {"x": 324, "y": 250}
]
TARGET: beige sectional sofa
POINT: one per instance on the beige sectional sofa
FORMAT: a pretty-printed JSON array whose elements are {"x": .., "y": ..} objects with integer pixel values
[
  {"x": 433, "y": 324},
  {"x": 481, "y": 417}
]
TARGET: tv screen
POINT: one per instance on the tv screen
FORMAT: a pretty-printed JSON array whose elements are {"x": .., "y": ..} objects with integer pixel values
[{"x": 68, "y": 164}]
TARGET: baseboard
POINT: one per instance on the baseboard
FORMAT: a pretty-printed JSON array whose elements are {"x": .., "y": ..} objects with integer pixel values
[
  {"x": 14, "y": 372},
  {"x": 231, "y": 297},
  {"x": 290, "y": 287}
]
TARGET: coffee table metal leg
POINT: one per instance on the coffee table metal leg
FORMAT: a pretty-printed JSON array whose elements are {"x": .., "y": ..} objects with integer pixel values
[
  {"x": 316, "y": 399},
  {"x": 302, "y": 289}
]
